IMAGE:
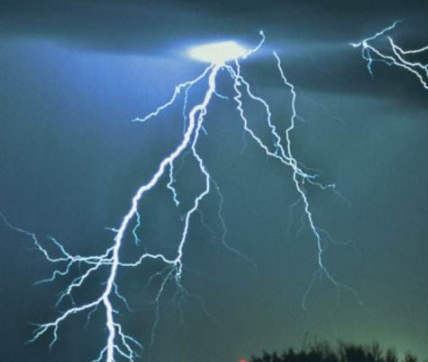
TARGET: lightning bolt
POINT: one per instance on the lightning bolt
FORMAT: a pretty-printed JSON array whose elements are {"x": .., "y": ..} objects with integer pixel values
[
  {"x": 396, "y": 55},
  {"x": 119, "y": 345}
]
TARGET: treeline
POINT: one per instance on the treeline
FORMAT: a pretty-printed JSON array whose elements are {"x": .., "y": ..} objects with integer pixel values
[{"x": 343, "y": 352}]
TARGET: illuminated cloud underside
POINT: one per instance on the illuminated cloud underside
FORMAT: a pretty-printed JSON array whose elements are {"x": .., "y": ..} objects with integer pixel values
[{"x": 218, "y": 53}]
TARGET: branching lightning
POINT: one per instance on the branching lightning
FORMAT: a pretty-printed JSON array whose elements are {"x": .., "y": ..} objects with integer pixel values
[
  {"x": 396, "y": 55},
  {"x": 118, "y": 344}
]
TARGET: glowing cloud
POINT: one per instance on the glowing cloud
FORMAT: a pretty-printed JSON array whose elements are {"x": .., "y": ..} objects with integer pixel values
[{"x": 218, "y": 53}]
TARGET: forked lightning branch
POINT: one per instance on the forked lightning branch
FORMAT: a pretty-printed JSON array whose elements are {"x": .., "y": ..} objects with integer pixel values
[{"x": 227, "y": 58}]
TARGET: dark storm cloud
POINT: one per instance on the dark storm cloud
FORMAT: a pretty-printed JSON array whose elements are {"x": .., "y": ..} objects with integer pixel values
[
  {"x": 313, "y": 36},
  {"x": 147, "y": 26}
]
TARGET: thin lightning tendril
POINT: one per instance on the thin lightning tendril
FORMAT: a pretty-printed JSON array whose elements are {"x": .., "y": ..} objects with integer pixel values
[
  {"x": 395, "y": 57},
  {"x": 119, "y": 345}
]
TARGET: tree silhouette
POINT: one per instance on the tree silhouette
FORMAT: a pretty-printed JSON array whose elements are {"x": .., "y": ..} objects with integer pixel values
[{"x": 344, "y": 352}]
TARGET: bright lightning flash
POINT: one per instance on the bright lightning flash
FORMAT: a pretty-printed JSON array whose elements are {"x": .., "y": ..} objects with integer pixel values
[
  {"x": 223, "y": 57},
  {"x": 396, "y": 55},
  {"x": 218, "y": 53}
]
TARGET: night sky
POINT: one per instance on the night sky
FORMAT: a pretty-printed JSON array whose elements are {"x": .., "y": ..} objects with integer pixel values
[{"x": 72, "y": 77}]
